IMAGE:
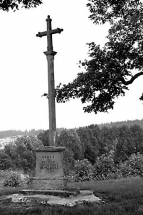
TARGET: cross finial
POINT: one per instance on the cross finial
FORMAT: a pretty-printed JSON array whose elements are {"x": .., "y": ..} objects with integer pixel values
[{"x": 48, "y": 17}]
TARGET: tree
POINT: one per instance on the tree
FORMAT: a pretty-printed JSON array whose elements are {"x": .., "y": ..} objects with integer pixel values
[
  {"x": 89, "y": 137},
  {"x": 24, "y": 149},
  {"x": 68, "y": 161},
  {"x": 110, "y": 69},
  {"x": 14, "y": 4},
  {"x": 70, "y": 139},
  {"x": 44, "y": 137},
  {"x": 125, "y": 144},
  {"x": 137, "y": 138},
  {"x": 21, "y": 152},
  {"x": 5, "y": 161}
]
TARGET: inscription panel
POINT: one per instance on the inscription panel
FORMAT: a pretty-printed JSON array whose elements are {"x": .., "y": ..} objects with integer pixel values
[{"x": 49, "y": 164}]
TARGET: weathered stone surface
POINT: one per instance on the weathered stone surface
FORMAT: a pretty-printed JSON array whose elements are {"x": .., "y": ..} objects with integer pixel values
[
  {"x": 49, "y": 164},
  {"x": 83, "y": 197},
  {"x": 60, "y": 193},
  {"x": 49, "y": 169},
  {"x": 48, "y": 183}
]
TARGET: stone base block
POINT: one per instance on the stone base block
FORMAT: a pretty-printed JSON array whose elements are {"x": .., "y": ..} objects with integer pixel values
[
  {"x": 60, "y": 193},
  {"x": 48, "y": 184}
]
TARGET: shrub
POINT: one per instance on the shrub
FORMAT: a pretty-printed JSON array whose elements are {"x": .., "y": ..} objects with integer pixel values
[
  {"x": 104, "y": 168},
  {"x": 133, "y": 166},
  {"x": 136, "y": 163},
  {"x": 68, "y": 162},
  {"x": 21, "y": 153},
  {"x": 12, "y": 180},
  {"x": 125, "y": 169},
  {"x": 83, "y": 170},
  {"x": 15, "y": 179},
  {"x": 5, "y": 161}
]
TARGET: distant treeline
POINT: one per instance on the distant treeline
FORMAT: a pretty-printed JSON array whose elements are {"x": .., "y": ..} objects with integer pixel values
[
  {"x": 10, "y": 133},
  {"x": 121, "y": 123}
]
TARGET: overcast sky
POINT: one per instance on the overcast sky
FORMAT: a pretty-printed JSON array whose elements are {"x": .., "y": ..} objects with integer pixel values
[{"x": 23, "y": 67}]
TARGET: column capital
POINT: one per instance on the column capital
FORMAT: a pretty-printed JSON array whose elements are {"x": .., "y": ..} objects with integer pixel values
[{"x": 50, "y": 53}]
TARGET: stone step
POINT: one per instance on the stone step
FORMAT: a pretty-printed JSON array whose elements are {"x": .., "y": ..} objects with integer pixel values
[{"x": 60, "y": 193}]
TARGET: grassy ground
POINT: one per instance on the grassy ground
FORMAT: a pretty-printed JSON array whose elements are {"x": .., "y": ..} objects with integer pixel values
[{"x": 122, "y": 197}]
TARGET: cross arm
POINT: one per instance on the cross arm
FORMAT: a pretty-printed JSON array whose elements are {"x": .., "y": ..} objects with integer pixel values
[
  {"x": 41, "y": 34},
  {"x": 58, "y": 30},
  {"x": 55, "y": 31}
]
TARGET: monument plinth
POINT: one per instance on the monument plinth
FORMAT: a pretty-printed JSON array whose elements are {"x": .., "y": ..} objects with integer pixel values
[{"x": 49, "y": 169}]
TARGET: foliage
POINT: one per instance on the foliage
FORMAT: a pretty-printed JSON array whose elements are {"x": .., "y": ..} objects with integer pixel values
[
  {"x": 108, "y": 10},
  {"x": 15, "y": 179},
  {"x": 12, "y": 181},
  {"x": 129, "y": 141},
  {"x": 44, "y": 137},
  {"x": 90, "y": 138},
  {"x": 21, "y": 153},
  {"x": 110, "y": 69},
  {"x": 137, "y": 138},
  {"x": 133, "y": 166},
  {"x": 25, "y": 147},
  {"x": 70, "y": 139},
  {"x": 68, "y": 161},
  {"x": 104, "y": 168},
  {"x": 5, "y": 161},
  {"x": 125, "y": 170},
  {"x": 6, "y": 5},
  {"x": 83, "y": 170}
]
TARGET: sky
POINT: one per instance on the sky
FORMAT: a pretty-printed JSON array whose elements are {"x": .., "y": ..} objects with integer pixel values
[{"x": 23, "y": 67}]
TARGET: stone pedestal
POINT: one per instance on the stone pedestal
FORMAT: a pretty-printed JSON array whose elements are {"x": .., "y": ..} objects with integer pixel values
[{"x": 49, "y": 169}]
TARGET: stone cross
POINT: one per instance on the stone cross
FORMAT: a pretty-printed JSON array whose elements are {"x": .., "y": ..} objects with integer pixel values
[{"x": 51, "y": 82}]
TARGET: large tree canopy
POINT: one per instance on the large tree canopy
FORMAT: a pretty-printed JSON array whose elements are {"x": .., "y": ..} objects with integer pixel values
[
  {"x": 109, "y": 69},
  {"x": 14, "y": 4}
]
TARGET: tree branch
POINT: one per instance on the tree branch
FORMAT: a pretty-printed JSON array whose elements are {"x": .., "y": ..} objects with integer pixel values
[{"x": 132, "y": 78}]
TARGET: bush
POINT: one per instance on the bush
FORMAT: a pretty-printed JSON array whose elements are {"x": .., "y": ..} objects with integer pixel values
[
  {"x": 83, "y": 170},
  {"x": 68, "y": 161},
  {"x": 15, "y": 179},
  {"x": 21, "y": 153},
  {"x": 125, "y": 169},
  {"x": 5, "y": 161},
  {"x": 133, "y": 166},
  {"x": 104, "y": 168}
]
